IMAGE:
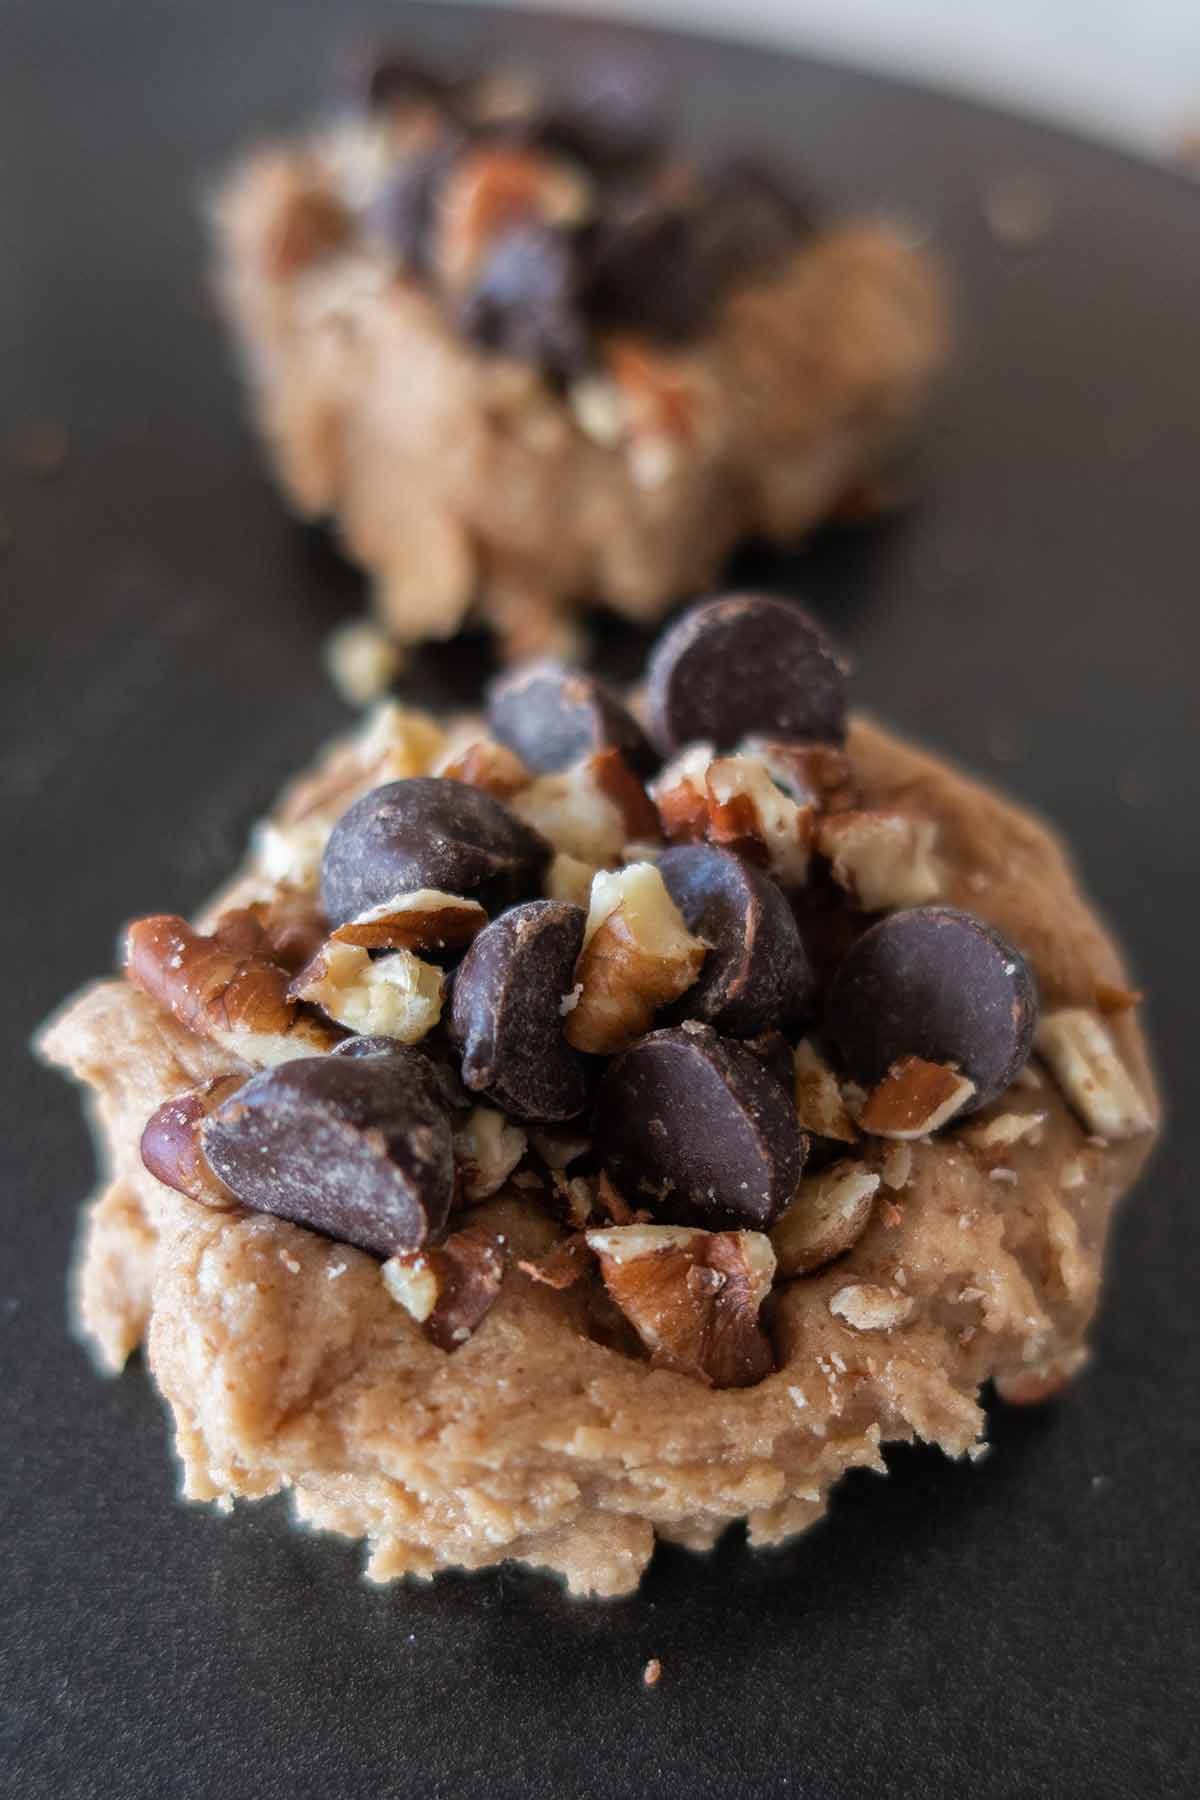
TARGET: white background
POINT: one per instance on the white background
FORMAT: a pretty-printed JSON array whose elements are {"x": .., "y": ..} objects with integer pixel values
[{"x": 1126, "y": 70}]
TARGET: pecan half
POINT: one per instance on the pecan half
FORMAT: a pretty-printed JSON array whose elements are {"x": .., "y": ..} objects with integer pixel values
[{"x": 221, "y": 986}]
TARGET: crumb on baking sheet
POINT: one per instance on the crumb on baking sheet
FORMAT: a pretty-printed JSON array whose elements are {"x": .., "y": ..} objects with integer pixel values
[{"x": 652, "y": 1673}]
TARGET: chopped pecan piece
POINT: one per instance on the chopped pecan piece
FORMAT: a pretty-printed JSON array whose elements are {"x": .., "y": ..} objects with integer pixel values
[
  {"x": 487, "y": 1148},
  {"x": 563, "y": 1266},
  {"x": 171, "y": 1149},
  {"x": 693, "y": 1297},
  {"x": 914, "y": 1098},
  {"x": 450, "y": 1289},
  {"x": 223, "y": 987},
  {"x": 589, "y": 811},
  {"x": 883, "y": 860},
  {"x": 829, "y": 1214},
  {"x": 638, "y": 956},
  {"x": 819, "y": 1104},
  {"x": 485, "y": 764},
  {"x": 733, "y": 801},
  {"x": 396, "y": 996},
  {"x": 1083, "y": 1060},
  {"x": 492, "y": 189},
  {"x": 424, "y": 920},
  {"x": 865, "y": 1306}
]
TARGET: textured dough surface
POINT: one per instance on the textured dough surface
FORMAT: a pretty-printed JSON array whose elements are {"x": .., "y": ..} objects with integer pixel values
[
  {"x": 461, "y": 480},
  {"x": 286, "y": 1364}
]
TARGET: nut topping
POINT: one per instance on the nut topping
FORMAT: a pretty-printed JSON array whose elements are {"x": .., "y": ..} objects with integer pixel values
[
  {"x": 914, "y": 1098},
  {"x": 820, "y": 1107},
  {"x": 170, "y": 1146},
  {"x": 868, "y": 1307},
  {"x": 487, "y": 1148},
  {"x": 882, "y": 860},
  {"x": 1083, "y": 1060},
  {"x": 589, "y": 811},
  {"x": 424, "y": 920},
  {"x": 222, "y": 987},
  {"x": 395, "y": 996},
  {"x": 448, "y": 1290},
  {"x": 693, "y": 1297},
  {"x": 637, "y": 957},
  {"x": 487, "y": 765},
  {"x": 828, "y": 1215}
]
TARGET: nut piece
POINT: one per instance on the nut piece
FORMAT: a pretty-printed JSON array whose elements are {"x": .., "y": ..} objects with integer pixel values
[
  {"x": 487, "y": 1148},
  {"x": 813, "y": 774},
  {"x": 485, "y": 764},
  {"x": 426, "y": 919},
  {"x": 396, "y": 996},
  {"x": 222, "y": 987},
  {"x": 171, "y": 1148},
  {"x": 732, "y": 801},
  {"x": 362, "y": 662},
  {"x": 293, "y": 927},
  {"x": 638, "y": 955},
  {"x": 567, "y": 1263},
  {"x": 693, "y": 1297},
  {"x": 451, "y": 1289},
  {"x": 291, "y": 854},
  {"x": 882, "y": 860},
  {"x": 1083, "y": 1060},
  {"x": 829, "y": 1213},
  {"x": 819, "y": 1104},
  {"x": 569, "y": 879},
  {"x": 914, "y": 1098},
  {"x": 591, "y": 810},
  {"x": 397, "y": 742},
  {"x": 866, "y": 1307},
  {"x": 1003, "y": 1131}
]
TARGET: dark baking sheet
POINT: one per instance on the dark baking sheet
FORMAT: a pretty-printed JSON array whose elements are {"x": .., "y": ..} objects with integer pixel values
[{"x": 1026, "y": 1627}]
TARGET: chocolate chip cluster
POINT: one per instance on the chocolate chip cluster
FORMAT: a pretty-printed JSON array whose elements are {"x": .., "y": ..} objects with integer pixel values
[
  {"x": 677, "y": 966},
  {"x": 540, "y": 224}
]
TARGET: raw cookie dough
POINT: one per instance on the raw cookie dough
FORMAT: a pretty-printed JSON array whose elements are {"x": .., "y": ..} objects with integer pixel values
[
  {"x": 577, "y": 452},
  {"x": 545, "y": 1433}
]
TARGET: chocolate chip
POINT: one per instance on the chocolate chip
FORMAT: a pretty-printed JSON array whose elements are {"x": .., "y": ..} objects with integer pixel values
[
  {"x": 639, "y": 271},
  {"x": 936, "y": 983},
  {"x": 756, "y": 975},
  {"x": 359, "y": 1149},
  {"x": 552, "y": 715},
  {"x": 426, "y": 1063},
  {"x": 524, "y": 301},
  {"x": 427, "y": 832},
  {"x": 401, "y": 215},
  {"x": 507, "y": 1012},
  {"x": 747, "y": 221},
  {"x": 748, "y": 664},
  {"x": 695, "y": 1127}
]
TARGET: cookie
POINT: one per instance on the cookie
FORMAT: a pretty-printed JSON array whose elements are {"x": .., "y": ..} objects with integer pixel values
[
  {"x": 522, "y": 374},
  {"x": 568, "y": 1198}
]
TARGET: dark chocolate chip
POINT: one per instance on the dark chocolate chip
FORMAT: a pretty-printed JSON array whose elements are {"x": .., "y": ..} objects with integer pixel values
[
  {"x": 756, "y": 975},
  {"x": 524, "y": 301},
  {"x": 426, "y": 1062},
  {"x": 747, "y": 220},
  {"x": 359, "y": 1149},
  {"x": 613, "y": 113},
  {"x": 428, "y": 833},
  {"x": 507, "y": 1015},
  {"x": 551, "y": 715},
  {"x": 696, "y": 1127},
  {"x": 639, "y": 270},
  {"x": 936, "y": 983},
  {"x": 748, "y": 664},
  {"x": 383, "y": 80},
  {"x": 401, "y": 215}
]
